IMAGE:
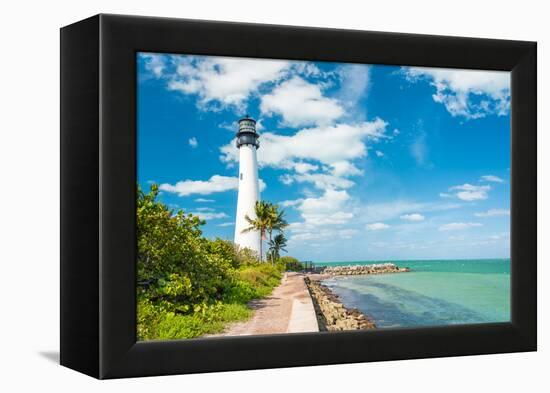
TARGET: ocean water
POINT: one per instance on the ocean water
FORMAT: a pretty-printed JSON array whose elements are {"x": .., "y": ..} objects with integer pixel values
[{"x": 434, "y": 292}]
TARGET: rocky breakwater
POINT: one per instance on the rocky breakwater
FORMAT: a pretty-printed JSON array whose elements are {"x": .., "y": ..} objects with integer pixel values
[
  {"x": 331, "y": 313},
  {"x": 352, "y": 270}
]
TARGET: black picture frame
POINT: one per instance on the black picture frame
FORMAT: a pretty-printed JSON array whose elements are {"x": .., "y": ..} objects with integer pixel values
[{"x": 98, "y": 185}]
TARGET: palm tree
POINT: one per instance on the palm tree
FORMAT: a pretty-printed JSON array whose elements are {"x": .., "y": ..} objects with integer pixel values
[
  {"x": 276, "y": 245},
  {"x": 276, "y": 222},
  {"x": 262, "y": 221},
  {"x": 268, "y": 219}
]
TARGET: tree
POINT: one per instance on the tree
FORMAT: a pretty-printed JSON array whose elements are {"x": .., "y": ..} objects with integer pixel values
[
  {"x": 268, "y": 219},
  {"x": 261, "y": 222},
  {"x": 276, "y": 245},
  {"x": 175, "y": 263},
  {"x": 276, "y": 222}
]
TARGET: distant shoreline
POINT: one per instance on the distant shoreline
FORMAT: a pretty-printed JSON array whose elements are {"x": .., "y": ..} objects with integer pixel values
[
  {"x": 404, "y": 261},
  {"x": 353, "y": 270}
]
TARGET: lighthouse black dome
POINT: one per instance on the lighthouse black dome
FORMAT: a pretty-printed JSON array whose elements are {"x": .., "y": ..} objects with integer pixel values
[{"x": 247, "y": 134}]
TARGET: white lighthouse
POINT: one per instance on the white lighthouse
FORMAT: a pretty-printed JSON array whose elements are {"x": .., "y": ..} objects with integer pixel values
[{"x": 249, "y": 191}]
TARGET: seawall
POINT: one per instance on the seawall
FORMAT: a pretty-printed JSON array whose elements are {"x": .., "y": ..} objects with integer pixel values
[
  {"x": 352, "y": 270},
  {"x": 331, "y": 314}
]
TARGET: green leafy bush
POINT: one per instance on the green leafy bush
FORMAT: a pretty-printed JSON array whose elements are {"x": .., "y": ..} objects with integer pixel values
[
  {"x": 212, "y": 320},
  {"x": 158, "y": 324},
  {"x": 174, "y": 261},
  {"x": 291, "y": 264},
  {"x": 188, "y": 285}
]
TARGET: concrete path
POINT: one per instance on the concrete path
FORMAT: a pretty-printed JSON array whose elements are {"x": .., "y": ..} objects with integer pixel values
[{"x": 289, "y": 309}]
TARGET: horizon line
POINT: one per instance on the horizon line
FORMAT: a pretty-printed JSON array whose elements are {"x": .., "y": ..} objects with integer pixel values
[{"x": 409, "y": 260}]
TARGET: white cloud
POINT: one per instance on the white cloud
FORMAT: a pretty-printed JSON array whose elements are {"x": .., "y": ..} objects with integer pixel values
[
  {"x": 216, "y": 183},
  {"x": 289, "y": 203},
  {"x": 385, "y": 211},
  {"x": 226, "y": 224},
  {"x": 379, "y": 153},
  {"x": 327, "y": 144},
  {"x": 193, "y": 142},
  {"x": 223, "y": 80},
  {"x": 469, "y": 192},
  {"x": 301, "y": 103},
  {"x": 306, "y": 236},
  {"x": 456, "y": 226},
  {"x": 445, "y": 195},
  {"x": 308, "y": 69},
  {"x": 413, "y": 217},
  {"x": 419, "y": 149},
  {"x": 204, "y": 209},
  {"x": 323, "y": 181},
  {"x": 262, "y": 185},
  {"x": 354, "y": 83},
  {"x": 286, "y": 179},
  {"x": 155, "y": 63},
  {"x": 333, "y": 177},
  {"x": 203, "y": 200},
  {"x": 227, "y": 82},
  {"x": 322, "y": 216},
  {"x": 468, "y": 93},
  {"x": 472, "y": 195},
  {"x": 493, "y": 213},
  {"x": 259, "y": 125},
  {"x": 328, "y": 209},
  {"x": 500, "y": 236},
  {"x": 230, "y": 126},
  {"x": 377, "y": 226},
  {"x": 335, "y": 215},
  {"x": 209, "y": 215},
  {"x": 304, "y": 167},
  {"x": 323, "y": 234},
  {"x": 345, "y": 169},
  {"x": 492, "y": 179},
  {"x": 347, "y": 233}
]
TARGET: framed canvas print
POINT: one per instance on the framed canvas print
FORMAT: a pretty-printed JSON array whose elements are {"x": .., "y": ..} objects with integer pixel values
[{"x": 239, "y": 196}]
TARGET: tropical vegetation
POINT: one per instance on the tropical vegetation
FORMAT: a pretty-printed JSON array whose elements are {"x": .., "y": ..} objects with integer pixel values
[
  {"x": 276, "y": 245},
  {"x": 291, "y": 263},
  {"x": 268, "y": 218},
  {"x": 189, "y": 285}
]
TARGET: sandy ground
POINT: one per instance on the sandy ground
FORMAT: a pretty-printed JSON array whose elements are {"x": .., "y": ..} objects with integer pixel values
[{"x": 289, "y": 309}]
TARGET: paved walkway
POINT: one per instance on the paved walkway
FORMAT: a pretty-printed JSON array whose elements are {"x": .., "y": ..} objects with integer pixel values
[{"x": 289, "y": 309}]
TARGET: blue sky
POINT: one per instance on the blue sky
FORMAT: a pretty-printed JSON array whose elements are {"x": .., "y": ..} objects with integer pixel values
[{"x": 370, "y": 162}]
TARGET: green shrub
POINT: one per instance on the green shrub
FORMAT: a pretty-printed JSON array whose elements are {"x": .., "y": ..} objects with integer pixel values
[
  {"x": 226, "y": 250},
  {"x": 246, "y": 257},
  {"x": 261, "y": 282},
  {"x": 189, "y": 285},
  {"x": 174, "y": 259},
  {"x": 240, "y": 292},
  {"x": 148, "y": 317},
  {"x": 213, "y": 319},
  {"x": 291, "y": 264}
]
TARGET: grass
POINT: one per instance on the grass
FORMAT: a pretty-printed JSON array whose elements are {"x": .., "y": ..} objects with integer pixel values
[
  {"x": 188, "y": 326},
  {"x": 158, "y": 321}
]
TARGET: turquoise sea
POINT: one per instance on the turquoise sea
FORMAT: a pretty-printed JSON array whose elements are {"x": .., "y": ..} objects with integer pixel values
[{"x": 434, "y": 292}]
